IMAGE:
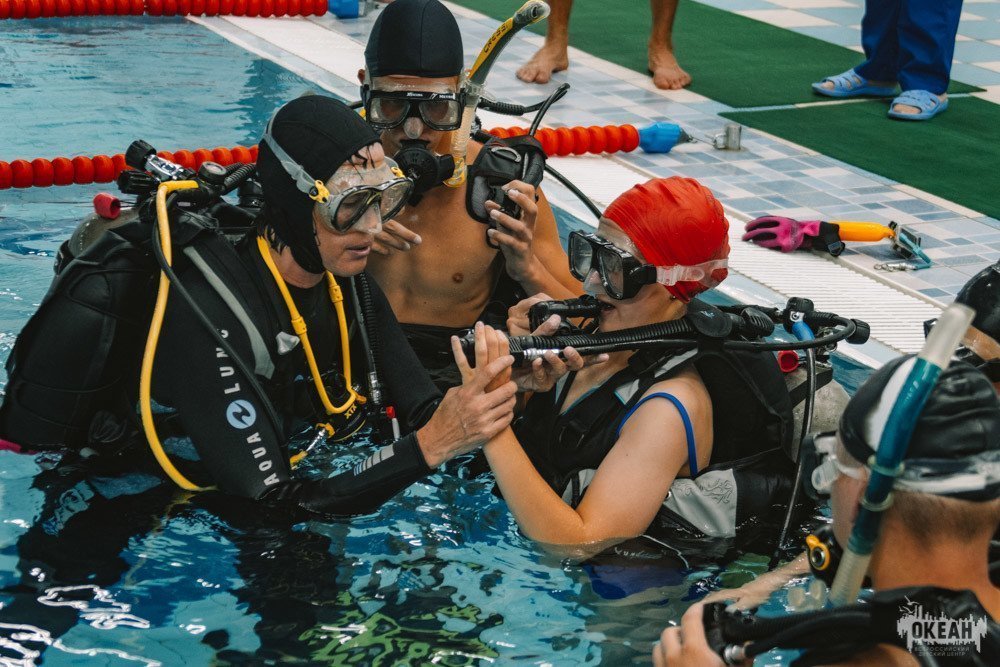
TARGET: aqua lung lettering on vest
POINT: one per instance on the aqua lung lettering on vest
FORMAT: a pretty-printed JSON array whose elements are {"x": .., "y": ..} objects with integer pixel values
[{"x": 242, "y": 415}]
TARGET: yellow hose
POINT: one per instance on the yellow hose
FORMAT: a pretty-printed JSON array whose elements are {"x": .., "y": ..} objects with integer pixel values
[
  {"x": 299, "y": 326},
  {"x": 146, "y": 374}
]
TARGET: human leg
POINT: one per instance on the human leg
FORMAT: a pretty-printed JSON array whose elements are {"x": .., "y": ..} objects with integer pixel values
[
  {"x": 667, "y": 73},
  {"x": 553, "y": 56},
  {"x": 879, "y": 38},
  {"x": 927, "y": 30}
]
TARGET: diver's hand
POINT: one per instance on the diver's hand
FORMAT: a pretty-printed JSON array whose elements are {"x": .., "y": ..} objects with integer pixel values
[
  {"x": 517, "y": 317},
  {"x": 686, "y": 645},
  {"x": 516, "y": 236},
  {"x": 545, "y": 372},
  {"x": 482, "y": 407},
  {"x": 395, "y": 237},
  {"x": 755, "y": 593},
  {"x": 747, "y": 596}
]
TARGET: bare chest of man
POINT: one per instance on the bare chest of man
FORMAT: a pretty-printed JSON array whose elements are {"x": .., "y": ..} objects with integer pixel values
[{"x": 448, "y": 278}]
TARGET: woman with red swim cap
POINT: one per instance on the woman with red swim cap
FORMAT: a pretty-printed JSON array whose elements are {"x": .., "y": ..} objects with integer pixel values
[{"x": 650, "y": 440}]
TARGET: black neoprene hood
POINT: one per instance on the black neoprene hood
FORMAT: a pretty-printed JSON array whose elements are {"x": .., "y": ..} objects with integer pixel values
[
  {"x": 982, "y": 294},
  {"x": 961, "y": 418},
  {"x": 319, "y": 133},
  {"x": 415, "y": 38}
]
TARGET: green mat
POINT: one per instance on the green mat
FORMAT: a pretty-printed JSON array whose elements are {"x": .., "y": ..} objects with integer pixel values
[
  {"x": 732, "y": 59},
  {"x": 952, "y": 156}
]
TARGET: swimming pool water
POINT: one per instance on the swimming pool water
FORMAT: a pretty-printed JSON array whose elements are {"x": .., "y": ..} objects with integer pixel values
[{"x": 439, "y": 576}]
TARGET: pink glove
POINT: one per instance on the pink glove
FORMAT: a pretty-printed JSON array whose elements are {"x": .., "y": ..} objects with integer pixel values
[{"x": 786, "y": 234}]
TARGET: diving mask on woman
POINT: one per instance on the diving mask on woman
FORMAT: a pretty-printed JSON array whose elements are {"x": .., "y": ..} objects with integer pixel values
[
  {"x": 359, "y": 187},
  {"x": 622, "y": 275}
]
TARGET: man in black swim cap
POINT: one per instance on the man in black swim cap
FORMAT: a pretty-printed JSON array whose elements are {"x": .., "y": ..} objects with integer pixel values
[
  {"x": 945, "y": 505},
  {"x": 432, "y": 261}
]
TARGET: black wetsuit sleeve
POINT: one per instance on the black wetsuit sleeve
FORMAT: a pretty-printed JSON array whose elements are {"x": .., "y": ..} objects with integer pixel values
[
  {"x": 363, "y": 489},
  {"x": 407, "y": 382}
]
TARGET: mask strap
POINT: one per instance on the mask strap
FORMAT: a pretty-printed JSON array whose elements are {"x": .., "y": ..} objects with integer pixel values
[
  {"x": 303, "y": 181},
  {"x": 671, "y": 275}
]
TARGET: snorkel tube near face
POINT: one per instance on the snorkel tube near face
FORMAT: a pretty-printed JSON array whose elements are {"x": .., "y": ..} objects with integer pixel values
[
  {"x": 887, "y": 463},
  {"x": 474, "y": 81}
]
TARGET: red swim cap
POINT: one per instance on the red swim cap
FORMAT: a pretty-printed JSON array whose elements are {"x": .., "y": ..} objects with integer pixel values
[{"x": 675, "y": 222}]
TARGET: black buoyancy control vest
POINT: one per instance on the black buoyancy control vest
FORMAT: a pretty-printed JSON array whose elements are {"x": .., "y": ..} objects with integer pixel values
[
  {"x": 73, "y": 373},
  {"x": 749, "y": 473},
  {"x": 79, "y": 354}
]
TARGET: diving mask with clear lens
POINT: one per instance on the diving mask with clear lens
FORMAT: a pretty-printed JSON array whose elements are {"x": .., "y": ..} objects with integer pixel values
[
  {"x": 974, "y": 477},
  {"x": 360, "y": 189},
  {"x": 385, "y": 110},
  {"x": 388, "y": 103},
  {"x": 621, "y": 273}
]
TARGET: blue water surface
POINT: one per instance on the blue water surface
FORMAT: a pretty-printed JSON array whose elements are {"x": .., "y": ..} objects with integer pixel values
[{"x": 439, "y": 576}]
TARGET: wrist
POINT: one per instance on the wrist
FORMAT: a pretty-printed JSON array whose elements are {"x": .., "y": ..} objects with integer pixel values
[
  {"x": 527, "y": 272},
  {"x": 426, "y": 443}
]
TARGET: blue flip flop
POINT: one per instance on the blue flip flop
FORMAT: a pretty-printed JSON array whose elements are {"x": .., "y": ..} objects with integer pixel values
[
  {"x": 852, "y": 84},
  {"x": 929, "y": 104}
]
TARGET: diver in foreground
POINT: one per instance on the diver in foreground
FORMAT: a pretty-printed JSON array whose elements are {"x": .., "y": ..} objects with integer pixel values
[
  {"x": 452, "y": 257},
  {"x": 654, "y": 442},
  {"x": 286, "y": 300},
  {"x": 930, "y": 560},
  {"x": 980, "y": 347}
]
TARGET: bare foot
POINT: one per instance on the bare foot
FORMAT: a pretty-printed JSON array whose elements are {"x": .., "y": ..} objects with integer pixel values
[
  {"x": 911, "y": 111},
  {"x": 667, "y": 73},
  {"x": 543, "y": 64}
]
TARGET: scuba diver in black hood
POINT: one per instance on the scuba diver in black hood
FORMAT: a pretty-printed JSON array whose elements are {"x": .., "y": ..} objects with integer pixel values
[
  {"x": 933, "y": 594},
  {"x": 292, "y": 302},
  {"x": 981, "y": 344},
  {"x": 440, "y": 269}
]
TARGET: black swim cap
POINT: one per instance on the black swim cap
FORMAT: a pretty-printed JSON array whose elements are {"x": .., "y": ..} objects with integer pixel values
[
  {"x": 959, "y": 423},
  {"x": 415, "y": 38},
  {"x": 320, "y": 134},
  {"x": 982, "y": 294}
]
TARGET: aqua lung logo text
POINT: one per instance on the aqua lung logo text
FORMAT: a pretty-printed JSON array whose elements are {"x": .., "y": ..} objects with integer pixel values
[
  {"x": 241, "y": 415},
  {"x": 939, "y": 635}
]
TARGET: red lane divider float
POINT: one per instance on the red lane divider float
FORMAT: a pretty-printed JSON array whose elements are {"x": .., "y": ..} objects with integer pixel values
[
  {"x": 579, "y": 140},
  {"x": 33, "y": 9},
  {"x": 104, "y": 169},
  {"x": 42, "y": 173}
]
